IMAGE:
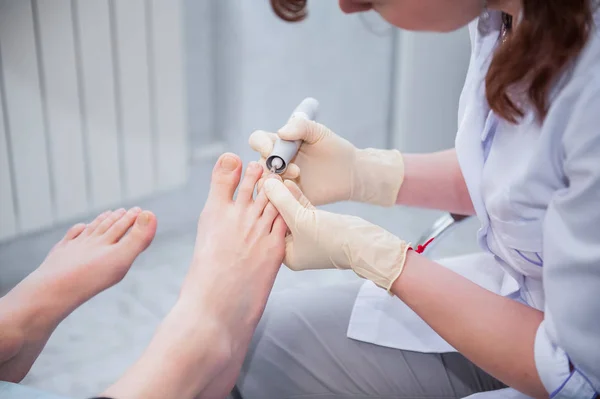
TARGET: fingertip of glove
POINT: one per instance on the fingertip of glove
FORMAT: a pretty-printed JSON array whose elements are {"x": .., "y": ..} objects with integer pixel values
[
  {"x": 270, "y": 184},
  {"x": 292, "y": 172},
  {"x": 254, "y": 136},
  {"x": 260, "y": 141}
]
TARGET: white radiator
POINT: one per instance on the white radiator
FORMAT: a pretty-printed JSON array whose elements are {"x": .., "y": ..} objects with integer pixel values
[{"x": 92, "y": 107}]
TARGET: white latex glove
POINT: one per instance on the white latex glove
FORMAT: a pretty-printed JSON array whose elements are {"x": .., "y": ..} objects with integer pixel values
[
  {"x": 324, "y": 240},
  {"x": 329, "y": 168}
]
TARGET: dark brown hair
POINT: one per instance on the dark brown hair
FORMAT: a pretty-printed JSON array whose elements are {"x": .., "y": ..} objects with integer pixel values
[
  {"x": 550, "y": 36},
  {"x": 290, "y": 10}
]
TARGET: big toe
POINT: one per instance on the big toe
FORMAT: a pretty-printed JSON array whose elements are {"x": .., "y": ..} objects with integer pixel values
[
  {"x": 140, "y": 236},
  {"x": 225, "y": 179}
]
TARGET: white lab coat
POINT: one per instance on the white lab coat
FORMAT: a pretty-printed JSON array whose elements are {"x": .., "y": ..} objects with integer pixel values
[{"x": 536, "y": 191}]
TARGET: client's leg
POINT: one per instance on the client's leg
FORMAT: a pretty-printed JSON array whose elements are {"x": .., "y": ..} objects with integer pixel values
[
  {"x": 89, "y": 259},
  {"x": 300, "y": 349},
  {"x": 239, "y": 248},
  {"x": 244, "y": 240}
]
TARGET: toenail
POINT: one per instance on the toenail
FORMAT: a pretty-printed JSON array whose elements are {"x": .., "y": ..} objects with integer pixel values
[
  {"x": 135, "y": 209},
  {"x": 254, "y": 166},
  {"x": 229, "y": 163},
  {"x": 143, "y": 219}
]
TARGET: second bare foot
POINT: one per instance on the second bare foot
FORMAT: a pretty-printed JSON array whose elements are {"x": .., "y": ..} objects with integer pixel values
[{"x": 89, "y": 259}]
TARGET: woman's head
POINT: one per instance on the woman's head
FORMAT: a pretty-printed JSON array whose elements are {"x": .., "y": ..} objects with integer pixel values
[
  {"x": 430, "y": 15},
  {"x": 549, "y": 36}
]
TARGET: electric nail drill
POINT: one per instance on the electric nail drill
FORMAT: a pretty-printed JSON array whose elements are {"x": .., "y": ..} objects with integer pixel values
[{"x": 283, "y": 150}]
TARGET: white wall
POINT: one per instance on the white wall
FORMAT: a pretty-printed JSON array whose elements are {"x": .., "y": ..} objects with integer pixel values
[
  {"x": 92, "y": 107},
  {"x": 266, "y": 66},
  {"x": 431, "y": 70},
  {"x": 201, "y": 64}
]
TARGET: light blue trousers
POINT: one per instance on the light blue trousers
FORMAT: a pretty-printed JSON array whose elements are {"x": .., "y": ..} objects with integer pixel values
[{"x": 300, "y": 351}]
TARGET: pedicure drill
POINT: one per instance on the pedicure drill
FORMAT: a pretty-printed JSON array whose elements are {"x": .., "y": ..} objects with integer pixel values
[{"x": 283, "y": 150}]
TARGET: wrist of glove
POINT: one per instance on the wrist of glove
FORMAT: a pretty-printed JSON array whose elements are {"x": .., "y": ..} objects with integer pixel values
[
  {"x": 377, "y": 176},
  {"x": 324, "y": 240}
]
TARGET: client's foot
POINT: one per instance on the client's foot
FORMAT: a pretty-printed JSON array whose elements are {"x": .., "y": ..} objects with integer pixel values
[
  {"x": 93, "y": 257},
  {"x": 199, "y": 347},
  {"x": 239, "y": 248},
  {"x": 89, "y": 259}
]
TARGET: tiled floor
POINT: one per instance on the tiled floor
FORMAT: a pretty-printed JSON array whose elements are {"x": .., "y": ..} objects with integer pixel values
[{"x": 96, "y": 344}]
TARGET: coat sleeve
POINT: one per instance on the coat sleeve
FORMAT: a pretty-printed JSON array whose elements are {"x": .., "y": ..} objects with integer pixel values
[{"x": 567, "y": 344}]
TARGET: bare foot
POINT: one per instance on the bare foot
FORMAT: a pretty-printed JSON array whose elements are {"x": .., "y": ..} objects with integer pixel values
[
  {"x": 89, "y": 259},
  {"x": 239, "y": 249},
  {"x": 239, "y": 245},
  {"x": 96, "y": 256},
  {"x": 200, "y": 346}
]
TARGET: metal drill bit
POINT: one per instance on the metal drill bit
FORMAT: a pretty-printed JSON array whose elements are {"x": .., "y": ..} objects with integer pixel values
[{"x": 276, "y": 164}]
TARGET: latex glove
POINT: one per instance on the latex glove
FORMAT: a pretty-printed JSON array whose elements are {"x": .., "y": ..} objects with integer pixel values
[
  {"x": 329, "y": 168},
  {"x": 324, "y": 240}
]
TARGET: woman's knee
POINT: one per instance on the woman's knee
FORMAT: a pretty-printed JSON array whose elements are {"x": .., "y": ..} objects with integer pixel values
[{"x": 290, "y": 337}]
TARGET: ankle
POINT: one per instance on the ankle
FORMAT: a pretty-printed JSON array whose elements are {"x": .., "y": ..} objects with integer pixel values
[
  {"x": 187, "y": 352},
  {"x": 12, "y": 339},
  {"x": 167, "y": 370},
  {"x": 34, "y": 307},
  {"x": 202, "y": 324}
]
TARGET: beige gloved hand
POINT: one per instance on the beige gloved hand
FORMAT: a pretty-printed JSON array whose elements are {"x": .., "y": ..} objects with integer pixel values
[
  {"x": 329, "y": 168},
  {"x": 324, "y": 240}
]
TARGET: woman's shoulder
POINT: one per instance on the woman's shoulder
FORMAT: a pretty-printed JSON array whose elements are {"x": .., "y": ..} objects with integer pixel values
[
  {"x": 573, "y": 120},
  {"x": 584, "y": 75},
  {"x": 579, "y": 87},
  {"x": 574, "y": 115}
]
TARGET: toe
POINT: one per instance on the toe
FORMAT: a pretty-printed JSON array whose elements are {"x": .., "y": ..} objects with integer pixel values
[
  {"x": 246, "y": 189},
  {"x": 268, "y": 217},
  {"x": 96, "y": 222},
  {"x": 262, "y": 200},
  {"x": 279, "y": 227},
  {"x": 139, "y": 237},
  {"x": 109, "y": 221},
  {"x": 74, "y": 231},
  {"x": 261, "y": 181},
  {"x": 260, "y": 203},
  {"x": 225, "y": 179},
  {"x": 120, "y": 227}
]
